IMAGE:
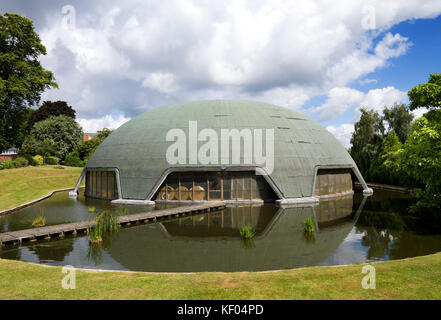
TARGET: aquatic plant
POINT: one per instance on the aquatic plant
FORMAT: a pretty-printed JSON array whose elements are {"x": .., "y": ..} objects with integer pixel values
[
  {"x": 105, "y": 223},
  {"x": 247, "y": 231},
  {"x": 40, "y": 221},
  {"x": 309, "y": 237},
  {"x": 123, "y": 211},
  {"x": 309, "y": 225},
  {"x": 91, "y": 209}
]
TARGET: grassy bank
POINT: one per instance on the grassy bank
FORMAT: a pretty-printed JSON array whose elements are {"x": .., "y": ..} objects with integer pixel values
[
  {"x": 22, "y": 185},
  {"x": 415, "y": 278}
]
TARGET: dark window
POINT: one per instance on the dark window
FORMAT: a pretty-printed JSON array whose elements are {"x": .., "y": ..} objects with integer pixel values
[
  {"x": 212, "y": 186},
  {"x": 336, "y": 181},
  {"x": 101, "y": 184}
]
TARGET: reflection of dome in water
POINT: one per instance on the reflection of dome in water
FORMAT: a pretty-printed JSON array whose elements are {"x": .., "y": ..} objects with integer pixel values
[{"x": 279, "y": 243}]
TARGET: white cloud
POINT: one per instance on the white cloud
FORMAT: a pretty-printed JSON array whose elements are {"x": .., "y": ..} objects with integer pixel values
[
  {"x": 122, "y": 55},
  {"x": 95, "y": 125},
  {"x": 343, "y": 133},
  {"x": 377, "y": 99},
  {"x": 392, "y": 46},
  {"x": 160, "y": 81},
  {"x": 341, "y": 99},
  {"x": 417, "y": 113},
  {"x": 367, "y": 81}
]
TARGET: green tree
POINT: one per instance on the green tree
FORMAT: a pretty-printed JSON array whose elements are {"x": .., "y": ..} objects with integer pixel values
[
  {"x": 384, "y": 168},
  {"x": 63, "y": 131},
  {"x": 421, "y": 159},
  {"x": 399, "y": 120},
  {"x": 367, "y": 140},
  {"x": 85, "y": 149},
  {"x": 49, "y": 108},
  {"x": 22, "y": 78},
  {"x": 421, "y": 155},
  {"x": 33, "y": 146},
  {"x": 427, "y": 94}
]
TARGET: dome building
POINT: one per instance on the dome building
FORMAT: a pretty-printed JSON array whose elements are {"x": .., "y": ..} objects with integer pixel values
[{"x": 234, "y": 151}]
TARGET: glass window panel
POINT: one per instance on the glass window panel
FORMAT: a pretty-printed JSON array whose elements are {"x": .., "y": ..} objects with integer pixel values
[
  {"x": 87, "y": 183},
  {"x": 98, "y": 183},
  {"x": 227, "y": 186},
  {"x": 110, "y": 178},
  {"x": 92, "y": 183},
  {"x": 323, "y": 184},
  {"x": 200, "y": 187},
  {"x": 115, "y": 186},
  {"x": 332, "y": 181},
  {"x": 103, "y": 193},
  {"x": 215, "y": 195},
  {"x": 214, "y": 182}
]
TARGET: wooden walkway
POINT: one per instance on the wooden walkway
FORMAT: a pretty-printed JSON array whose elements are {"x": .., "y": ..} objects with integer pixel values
[{"x": 34, "y": 234}]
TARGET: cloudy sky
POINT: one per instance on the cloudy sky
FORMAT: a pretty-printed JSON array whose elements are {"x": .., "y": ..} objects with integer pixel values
[{"x": 116, "y": 59}]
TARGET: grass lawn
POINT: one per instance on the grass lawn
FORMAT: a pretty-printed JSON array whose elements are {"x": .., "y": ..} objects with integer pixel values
[
  {"x": 415, "y": 278},
  {"x": 21, "y": 185}
]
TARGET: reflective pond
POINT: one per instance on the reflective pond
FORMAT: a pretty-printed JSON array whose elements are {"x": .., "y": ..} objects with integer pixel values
[{"x": 348, "y": 230}]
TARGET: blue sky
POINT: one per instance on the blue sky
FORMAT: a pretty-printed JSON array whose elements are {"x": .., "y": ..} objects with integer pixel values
[{"x": 114, "y": 60}]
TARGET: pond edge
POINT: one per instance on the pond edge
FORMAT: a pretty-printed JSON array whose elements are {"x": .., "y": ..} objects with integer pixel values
[{"x": 27, "y": 204}]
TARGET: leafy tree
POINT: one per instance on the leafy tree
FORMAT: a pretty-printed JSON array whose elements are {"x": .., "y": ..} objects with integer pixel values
[
  {"x": 384, "y": 168},
  {"x": 421, "y": 155},
  {"x": 73, "y": 160},
  {"x": 399, "y": 120},
  {"x": 86, "y": 148},
  {"x": 33, "y": 146},
  {"x": 421, "y": 159},
  {"x": 22, "y": 78},
  {"x": 367, "y": 139},
  {"x": 49, "y": 108},
  {"x": 62, "y": 131},
  {"x": 427, "y": 94}
]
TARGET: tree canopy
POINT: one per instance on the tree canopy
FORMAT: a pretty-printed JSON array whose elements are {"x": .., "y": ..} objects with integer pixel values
[
  {"x": 367, "y": 139},
  {"x": 399, "y": 120},
  {"x": 410, "y": 155},
  {"x": 55, "y": 136},
  {"x": 22, "y": 78},
  {"x": 427, "y": 94},
  {"x": 86, "y": 148},
  {"x": 49, "y": 108}
]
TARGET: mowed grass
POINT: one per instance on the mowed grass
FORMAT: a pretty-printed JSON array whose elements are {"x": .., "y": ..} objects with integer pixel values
[
  {"x": 415, "y": 278},
  {"x": 22, "y": 185}
]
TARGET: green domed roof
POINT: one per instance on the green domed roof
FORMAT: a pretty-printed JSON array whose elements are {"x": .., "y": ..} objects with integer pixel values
[{"x": 138, "y": 148}]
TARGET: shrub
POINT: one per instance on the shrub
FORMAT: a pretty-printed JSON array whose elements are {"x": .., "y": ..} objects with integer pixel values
[
  {"x": 58, "y": 167},
  {"x": 73, "y": 160},
  {"x": 51, "y": 160},
  {"x": 31, "y": 160},
  {"x": 20, "y": 162},
  {"x": 39, "y": 160},
  {"x": 6, "y": 165}
]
